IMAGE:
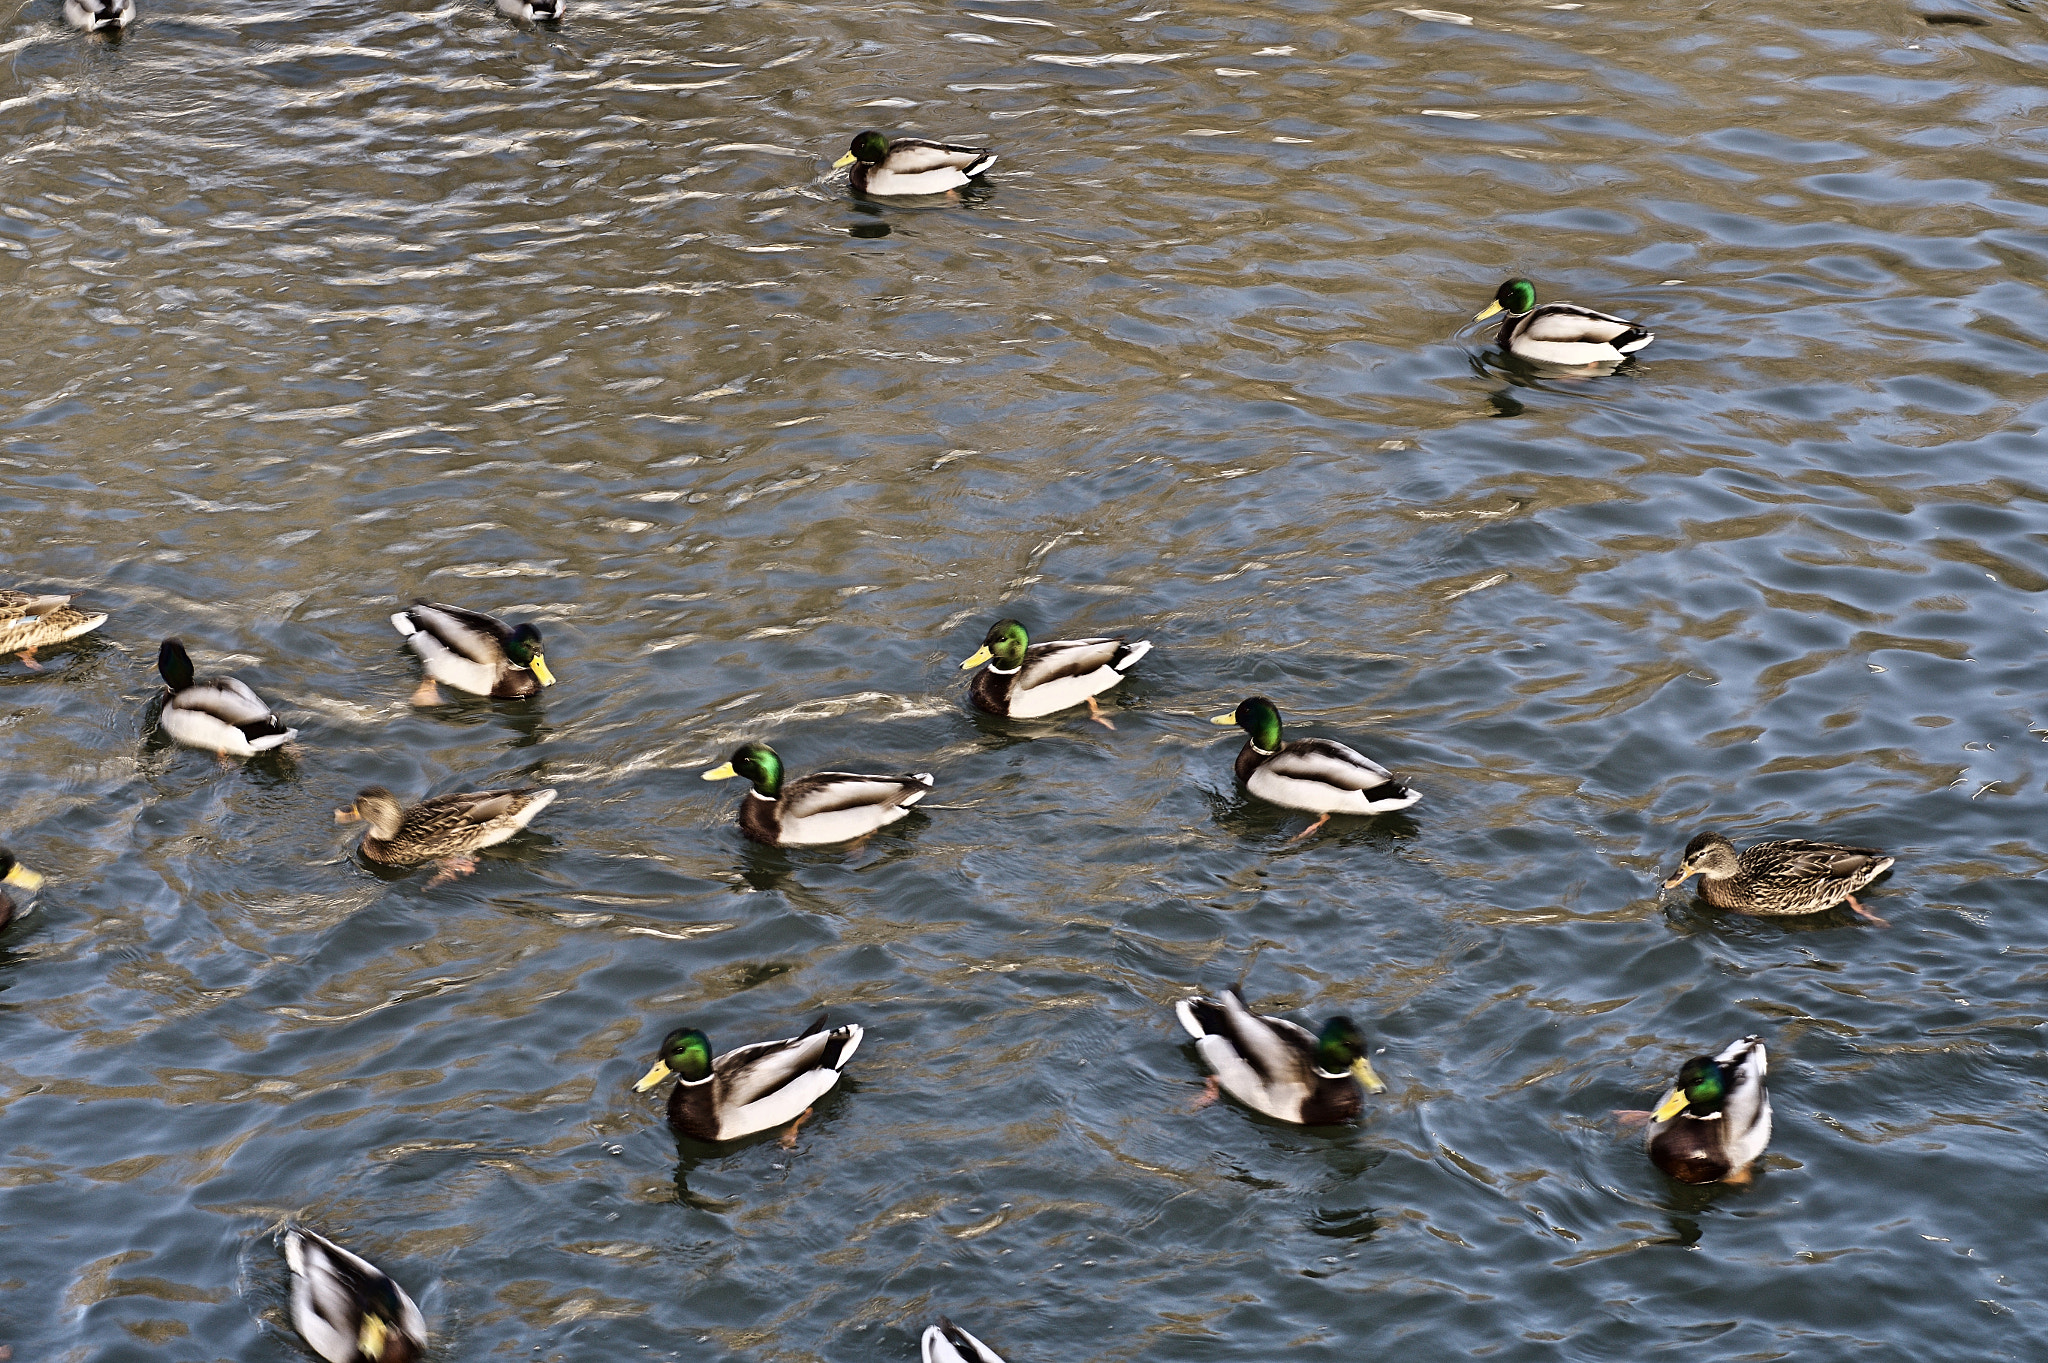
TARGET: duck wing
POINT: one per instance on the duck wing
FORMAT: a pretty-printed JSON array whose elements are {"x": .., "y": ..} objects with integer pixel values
[
  {"x": 328, "y": 1286},
  {"x": 472, "y": 634},
  {"x": 230, "y": 701},
  {"x": 1273, "y": 1050},
  {"x": 1330, "y": 762},
  {"x": 829, "y": 792},
  {"x": 772, "y": 1082},
  {"x": 14, "y": 605},
  {"x": 948, "y": 1343},
  {"x": 1568, "y": 323},
  {"x": 1747, "y": 1108},
  {"x": 1803, "y": 860},
  {"x": 1057, "y": 659},
  {"x": 915, "y": 156}
]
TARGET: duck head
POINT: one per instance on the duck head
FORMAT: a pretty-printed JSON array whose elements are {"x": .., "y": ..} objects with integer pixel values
[
  {"x": 1516, "y": 297},
  {"x": 1709, "y": 855},
  {"x": 1340, "y": 1049},
  {"x": 685, "y": 1053},
  {"x": 758, "y": 762},
  {"x": 1005, "y": 642},
  {"x": 868, "y": 148},
  {"x": 1258, "y": 717},
  {"x": 523, "y": 648}
]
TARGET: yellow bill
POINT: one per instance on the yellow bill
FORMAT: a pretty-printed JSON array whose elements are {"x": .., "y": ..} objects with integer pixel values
[
  {"x": 370, "y": 1339},
  {"x": 1679, "y": 879},
  {"x": 1227, "y": 718},
  {"x": 540, "y": 669},
  {"x": 981, "y": 655},
  {"x": 724, "y": 773},
  {"x": 654, "y": 1076},
  {"x": 24, "y": 879},
  {"x": 1362, "y": 1070},
  {"x": 843, "y": 162},
  {"x": 1491, "y": 309},
  {"x": 348, "y": 815},
  {"x": 1673, "y": 1104}
]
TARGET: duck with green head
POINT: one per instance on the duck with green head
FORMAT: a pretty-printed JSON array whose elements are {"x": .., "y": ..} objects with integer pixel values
[
  {"x": 472, "y": 652},
  {"x": 1561, "y": 333},
  {"x": 348, "y": 1309},
  {"x": 1716, "y": 1120},
  {"x": 1024, "y": 680},
  {"x": 1318, "y": 775},
  {"x": 21, "y": 878},
  {"x": 1279, "y": 1067},
  {"x": 820, "y": 809},
  {"x": 218, "y": 714},
  {"x": 751, "y": 1089},
  {"x": 909, "y": 165}
]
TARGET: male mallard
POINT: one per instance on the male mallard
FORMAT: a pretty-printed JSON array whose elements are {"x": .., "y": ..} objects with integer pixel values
[
  {"x": 753, "y": 1088},
  {"x": 1716, "y": 1119},
  {"x": 29, "y": 622},
  {"x": 218, "y": 714},
  {"x": 534, "y": 11},
  {"x": 1793, "y": 876},
  {"x": 446, "y": 828},
  {"x": 346, "y": 1308},
  {"x": 96, "y": 15},
  {"x": 948, "y": 1343},
  {"x": 1561, "y": 333},
  {"x": 20, "y": 877},
  {"x": 1026, "y": 680},
  {"x": 1280, "y": 1067},
  {"x": 1319, "y": 775},
  {"x": 909, "y": 165},
  {"x": 472, "y": 652},
  {"x": 825, "y": 807}
]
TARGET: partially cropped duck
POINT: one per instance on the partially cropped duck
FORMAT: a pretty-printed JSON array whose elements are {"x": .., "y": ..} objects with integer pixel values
[
  {"x": 96, "y": 16},
  {"x": 1318, "y": 775},
  {"x": 29, "y": 622},
  {"x": 1561, "y": 333},
  {"x": 218, "y": 714},
  {"x": 346, "y": 1307},
  {"x": 1717, "y": 1119},
  {"x": 948, "y": 1343},
  {"x": 1780, "y": 878},
  {"x": 820, "y": 809},
  {"x": 445, "y": 829},
  {"x": 472, "y": 652},
  {"x": 753, "y": 1088},
  {"x": 534, "y": 11},
  {"x": 21, "y": 878},
  {"x": 909, "y": 165},
  {"x": 1279, "y": 1067},
  {"x": 1025, "y": 680}
]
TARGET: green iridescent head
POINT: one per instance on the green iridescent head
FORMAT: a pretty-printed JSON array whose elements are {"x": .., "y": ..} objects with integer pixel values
[
  {"x": 1340, "y": 1049},
  {"x": 1516, "y": 297},
  {"x": 1701, "y": 1090},
  {"x": 523, "y": 648},
  {"x": 685, "y": 1053},
  {"x": 1258, "y": 717},
  {"x": 870, "y": 147},
  {"x": 758, "y": 763},
  {"x": 1005, "y": 642}
]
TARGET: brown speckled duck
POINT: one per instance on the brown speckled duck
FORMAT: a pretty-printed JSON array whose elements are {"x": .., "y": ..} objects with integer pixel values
[{"x": 1780, "y": 878}]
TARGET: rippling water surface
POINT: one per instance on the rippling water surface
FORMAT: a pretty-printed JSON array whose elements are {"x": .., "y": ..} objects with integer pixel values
[{"x": 318, "y": 307}]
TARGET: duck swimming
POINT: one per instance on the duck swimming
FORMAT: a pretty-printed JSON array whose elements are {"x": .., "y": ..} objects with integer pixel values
[
  {"x": 753, "y": 1088},
  {"x": 446, "y": 828},
  {"x": 1780, "y": 878},
  {"x": 29, "y": 622},
  {"x": 1561, "y": 333},
  {"x": 97, "y": 16},
  {"x": 1716, "y": 1119},
  {"x": 346, "y": 1308},
  {"x": 1279, "y": 1067},
  {"x": 909, "y": 165},
  {"x": 217, "y": 714},
  {"x": 820, "y": 809},
  {"x": 948, "y": 1343},
  {"x": 1024, "y": 680},
  {"x": 1318, "y": 775},
  {"x": 472, "y": 652}
]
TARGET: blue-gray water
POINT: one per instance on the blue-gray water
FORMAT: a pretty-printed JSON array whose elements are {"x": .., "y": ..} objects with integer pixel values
[{"x": 314, "y": 308}]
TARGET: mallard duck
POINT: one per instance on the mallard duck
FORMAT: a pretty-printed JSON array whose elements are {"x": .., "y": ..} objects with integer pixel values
[
  {"x": 1279, "y": 1067},
  {"x": 1561, "y": 333},
  {"x": 346, "y": 1307},
  {"x": 1315, "y": 774},
  {"x": 446, "y": 828},
  {"x": 753, "y": 1088},
  {"x": 1025, "y": 680},
  {"x": 909, "y": 165},
  {"x": 1778, "y": 878},
  {"x": 21, "y": 878},
  {"x": 534, "y": 11},
  {"x": 218, "y": 714},
  {"x": 472, "y": 652},
  {"x": 948, "y": 1343},
  {"x": 824, "y": 807},
  {"x": 1716, "y": 1119},
  {"x": 96, "y": 15},
  {"x": 29, "y": 622}
]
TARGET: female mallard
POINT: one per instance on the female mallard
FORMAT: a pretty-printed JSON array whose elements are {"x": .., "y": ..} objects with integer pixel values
[
  {"x": 753, "y": 1088},
  {"x": 446, "y": 828},
  {"x": 948, "y": 1343},
  {"x": 29, "y": 622},
  {"x": 20, "y": 877},
  {"x": 1561, "y": 333},
  {"x": 95, "y": 16},
  {"x": 1280, "y": 1067},
  {"x": 812, "y": 811},
  {"x": 909, "y": 165},
  {"x": 1315, "y": 774},
  {"x": 1026, "y": 680},
  {"x": 472, "y": 652},
  {"x": 534, "y": 11},
  {"x": 218, "y": 714},
  {"x": 1778, "y": 878},
  {"x": 345, "y": 1306},
  {"x": 1716, "y": 1119}
]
